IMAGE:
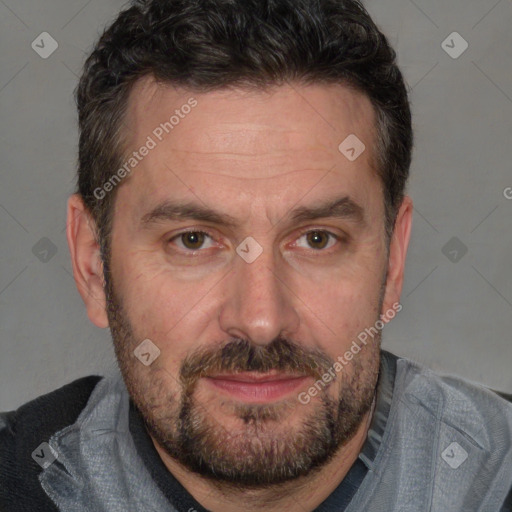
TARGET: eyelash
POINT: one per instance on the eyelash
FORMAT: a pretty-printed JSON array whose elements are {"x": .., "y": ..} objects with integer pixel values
[{"x": 198, "y": 231}]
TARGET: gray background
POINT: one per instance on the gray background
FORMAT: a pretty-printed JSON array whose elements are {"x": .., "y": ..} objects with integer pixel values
[{"x": 457, "y": 307}]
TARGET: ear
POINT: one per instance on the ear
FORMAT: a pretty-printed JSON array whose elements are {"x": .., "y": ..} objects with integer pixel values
[
  {"x": 86, "y": 260},
  {"x": 398, "y": 246}
]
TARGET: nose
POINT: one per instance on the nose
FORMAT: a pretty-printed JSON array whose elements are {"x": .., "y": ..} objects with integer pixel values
[{"x": 259, "y": 305}]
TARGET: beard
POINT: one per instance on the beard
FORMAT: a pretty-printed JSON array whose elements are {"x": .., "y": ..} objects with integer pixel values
[{"x": 260, "y": 446}]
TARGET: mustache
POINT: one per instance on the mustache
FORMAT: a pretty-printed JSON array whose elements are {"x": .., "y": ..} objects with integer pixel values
[{"x": 241, "y": 355}]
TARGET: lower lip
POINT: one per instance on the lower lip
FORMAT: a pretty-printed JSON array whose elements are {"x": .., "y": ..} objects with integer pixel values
[{"x": 253, "y": 392}]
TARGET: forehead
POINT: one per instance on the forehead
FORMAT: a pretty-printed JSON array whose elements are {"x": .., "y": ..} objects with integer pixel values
[
  {"x": 329, "y": 111},
  {"x": 254, "y": 137}
]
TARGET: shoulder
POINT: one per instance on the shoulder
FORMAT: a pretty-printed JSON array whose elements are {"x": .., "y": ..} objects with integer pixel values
[
  {"x": 455, "y": 393},
  {"x": 21, "y": 434},
  {"x": 483, "y": 414},
  {"x": 478, "y": 418}
]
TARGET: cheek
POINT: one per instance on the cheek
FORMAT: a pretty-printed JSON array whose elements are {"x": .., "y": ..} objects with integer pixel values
[
  {"x": 341, "y": 307},
  {"x": 351, "y": 311},
  {"x": 159, "y": 306}
]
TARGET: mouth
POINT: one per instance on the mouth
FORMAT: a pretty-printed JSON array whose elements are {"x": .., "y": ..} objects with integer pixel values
[{"x": 251, "y": 387}]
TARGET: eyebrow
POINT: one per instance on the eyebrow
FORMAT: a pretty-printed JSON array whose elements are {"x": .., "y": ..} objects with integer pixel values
[{"x": 340, "y": 208}]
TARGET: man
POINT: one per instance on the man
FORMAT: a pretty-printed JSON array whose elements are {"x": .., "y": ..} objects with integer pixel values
[{"x": 241, "y": 226}]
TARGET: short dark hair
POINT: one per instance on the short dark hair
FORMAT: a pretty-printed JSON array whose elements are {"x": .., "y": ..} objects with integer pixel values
[{"x": 206, "y": 45}]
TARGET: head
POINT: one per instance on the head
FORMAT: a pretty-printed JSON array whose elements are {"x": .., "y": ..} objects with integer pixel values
[{"x": 240, "y": 237}]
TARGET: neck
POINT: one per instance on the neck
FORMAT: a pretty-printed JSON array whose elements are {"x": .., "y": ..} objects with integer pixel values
[{"x": 304, "y": 493}]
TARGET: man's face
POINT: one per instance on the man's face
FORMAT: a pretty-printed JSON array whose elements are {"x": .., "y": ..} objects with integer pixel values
[{"x": 241, "y": 334}]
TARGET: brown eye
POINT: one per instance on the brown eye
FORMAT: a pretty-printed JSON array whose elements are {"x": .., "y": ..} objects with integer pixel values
[
  {"x": 192, "y": 240},
  {"x": 318, "y": 239}
]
